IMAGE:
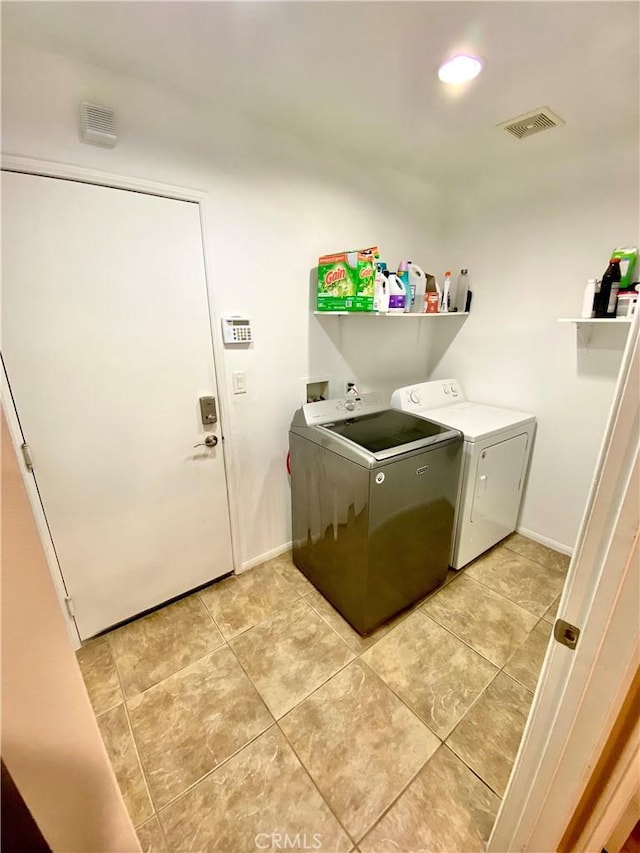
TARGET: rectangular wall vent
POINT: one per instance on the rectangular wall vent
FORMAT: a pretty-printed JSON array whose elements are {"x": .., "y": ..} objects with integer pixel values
[
  {"x": 530, "y": 123},
  {"x": 98, "y": 125}
]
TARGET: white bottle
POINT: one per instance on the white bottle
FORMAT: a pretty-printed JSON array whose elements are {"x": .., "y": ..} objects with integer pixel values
[
  {"x": 588, "y": 299},
  {"x": 444, "y": 304},
  {"x": 381, "y": 294},
  {"x": 418, "y": 284},
  {"x": 460, "y": 303},
  {"x": 397, "y": 294}
]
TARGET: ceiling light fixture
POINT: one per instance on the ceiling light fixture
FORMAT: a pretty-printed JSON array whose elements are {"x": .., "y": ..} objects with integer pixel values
[{"x": 460, "y": 69}]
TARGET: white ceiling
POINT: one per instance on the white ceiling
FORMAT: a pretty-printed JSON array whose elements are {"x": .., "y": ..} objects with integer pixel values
[{"x": 360, "y": 76}]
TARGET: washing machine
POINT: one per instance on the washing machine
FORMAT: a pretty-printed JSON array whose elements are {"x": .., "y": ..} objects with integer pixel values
[
  {"x": 373, "y": 494},
  {"x": 497, "y": 449}
]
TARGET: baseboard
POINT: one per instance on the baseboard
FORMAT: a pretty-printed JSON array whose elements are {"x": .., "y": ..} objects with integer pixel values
[
  {"x": 544, "y": 540},
  {"x": 262, "y": 558}
]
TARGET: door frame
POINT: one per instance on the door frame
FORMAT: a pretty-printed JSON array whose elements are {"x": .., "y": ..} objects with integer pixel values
[
  {"x": 80, "y": 174},
  {"x": 580, "y": 693}
]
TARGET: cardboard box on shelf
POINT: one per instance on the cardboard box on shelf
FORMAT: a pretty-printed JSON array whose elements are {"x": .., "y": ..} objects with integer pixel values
[{"x": 346, "y": 280}]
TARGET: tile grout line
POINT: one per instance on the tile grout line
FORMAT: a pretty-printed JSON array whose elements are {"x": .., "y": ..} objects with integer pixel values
[
  {"x": 226, "y": 642},
  {"x": 406, "y": 788},
  {"x": 245, "y": 745},
  {"x": 415, "y": 712},
  {"x": 462, "y": 573},
  {"x": 475, "y": 772},
  {"x": 143, "y": 770},
  {"x": 533, "y": 560},
  {"x": 409, "y": 708},
  {"x": 276, "y": 723},
  {"x": 442, "y": 743},
  {"x": 462, "y": 719},
  {"x": 473, "y": 648},
  {"x": 313, "y": 781},
  {"x": 273, "y": 724},
  {"x": 175, "y": 672},
  {"x": 315, "y": 689},
  {"x": 157, "y": 809},
  {"x": 335, "y": 631},
  {"x": 406, "y": 703},
  {"x": 459, "y": 639},
  {"x": 506, "y": 598},
  {"x": 213, "y": 770},
  {"x": 475, "y": 702},
  {"x": 261, "y": 621},
  {"x": 401, "y": 699},
  {"x": 209, "y": 614},
  {"x": 508, "y": 661},
  {"x": 109, "y": 634},
  {"x": 519, "y": 646}
]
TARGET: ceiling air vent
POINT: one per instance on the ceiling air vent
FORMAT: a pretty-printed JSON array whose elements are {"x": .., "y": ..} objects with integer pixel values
[
  {"x": 98, "y": 125},
  {"x": 530, "y": 123}
]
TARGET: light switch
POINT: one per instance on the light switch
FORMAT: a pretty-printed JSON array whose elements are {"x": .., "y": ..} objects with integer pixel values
[{"x": 239, "y": 382}]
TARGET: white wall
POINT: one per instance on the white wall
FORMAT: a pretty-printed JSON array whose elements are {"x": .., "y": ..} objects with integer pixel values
[
  {"x": 274, "y": 206},
  {"x": 531, "y": 239},
  {"x": 530, "y": 236}
]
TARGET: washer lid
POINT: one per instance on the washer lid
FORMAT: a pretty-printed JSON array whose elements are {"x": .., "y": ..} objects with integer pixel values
[
  {"x": 390, "y": 432},
  {"x": 476, "y": 420}
]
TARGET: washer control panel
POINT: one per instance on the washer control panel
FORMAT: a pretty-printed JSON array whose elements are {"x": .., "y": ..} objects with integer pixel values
[{"x": 343, "y": 408}]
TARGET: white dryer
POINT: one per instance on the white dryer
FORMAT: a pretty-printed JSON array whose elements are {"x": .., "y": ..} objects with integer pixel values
[{"x": 497, "y": 448}]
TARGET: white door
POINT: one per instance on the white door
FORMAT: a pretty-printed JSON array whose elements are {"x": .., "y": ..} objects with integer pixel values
[
  {"x": 107, "y": 348},
  {"x": 496, "y": 496},
  {"x": 498, "y": 488}
]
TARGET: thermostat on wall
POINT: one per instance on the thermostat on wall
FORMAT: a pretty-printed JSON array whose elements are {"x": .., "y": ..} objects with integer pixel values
[{"x": 236, "y": 330}]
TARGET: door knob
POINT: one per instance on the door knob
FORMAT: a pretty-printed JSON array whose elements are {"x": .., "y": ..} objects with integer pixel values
[{"x": 210, "y": 441}]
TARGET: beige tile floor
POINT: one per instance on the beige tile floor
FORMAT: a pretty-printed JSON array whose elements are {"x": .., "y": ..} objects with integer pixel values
[{"x": 250, "y": 711}]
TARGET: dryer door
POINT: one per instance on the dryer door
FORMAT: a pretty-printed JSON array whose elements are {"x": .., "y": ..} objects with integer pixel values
[{"x": 498, "y": 486}]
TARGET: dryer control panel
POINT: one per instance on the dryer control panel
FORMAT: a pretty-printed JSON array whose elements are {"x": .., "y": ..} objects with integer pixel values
[{"x": 428, "y": 395}]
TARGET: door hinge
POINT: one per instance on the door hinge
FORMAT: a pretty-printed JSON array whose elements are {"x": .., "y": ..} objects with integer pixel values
[
  {"x": 26, "y": 455},
  {"x": 566, "y": 633},
  {"x": 69, "y": 604}
]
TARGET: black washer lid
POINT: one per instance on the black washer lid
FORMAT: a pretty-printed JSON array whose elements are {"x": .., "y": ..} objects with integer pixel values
[{"x": 387, "y": 429}]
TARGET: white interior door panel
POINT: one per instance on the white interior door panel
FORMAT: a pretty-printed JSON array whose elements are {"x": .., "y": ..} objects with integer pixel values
[
  {"x": 496, "y": 498},
  {"x": 107, "y": 346}
]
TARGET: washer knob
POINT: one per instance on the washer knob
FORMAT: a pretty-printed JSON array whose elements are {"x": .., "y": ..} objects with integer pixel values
[{"x": 414, "y": 396}]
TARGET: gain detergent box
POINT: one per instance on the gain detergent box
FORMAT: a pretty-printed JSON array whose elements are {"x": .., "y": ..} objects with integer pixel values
[{"x": 346, "y": 280}]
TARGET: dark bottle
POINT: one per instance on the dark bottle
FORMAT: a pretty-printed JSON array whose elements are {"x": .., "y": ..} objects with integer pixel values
[{"x": 606, "y": 300}]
